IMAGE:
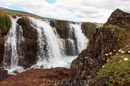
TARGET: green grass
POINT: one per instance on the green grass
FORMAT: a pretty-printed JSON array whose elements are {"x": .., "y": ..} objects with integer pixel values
[
  {"x": 116, "y": 69},
  {"x": 16, "y": 13},
  {"x": 21, "y": 13}
]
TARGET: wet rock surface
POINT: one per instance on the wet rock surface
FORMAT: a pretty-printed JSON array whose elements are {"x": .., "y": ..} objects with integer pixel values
[
  {"x": 30, "y": 43},
  {"x": 3, "y": 74}
]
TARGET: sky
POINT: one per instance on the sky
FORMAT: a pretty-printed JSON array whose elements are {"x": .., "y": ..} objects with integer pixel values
[{"x": 72, "y": 10}]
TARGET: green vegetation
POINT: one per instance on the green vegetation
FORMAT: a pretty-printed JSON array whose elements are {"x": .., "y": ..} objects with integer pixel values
[
  {"x": 16, "y": 13},
  {"x": 4, "y": 24},
  {"x": 20, "y": 13},
  {"x": 62, "y": 24},
  {"x": 106, "y": 39},
  {"x": 88, "y": 29},
  {"x": 127, "y": 26},
  {"x": 117, "y": 69},
  {"x": 120, "y": 34}
]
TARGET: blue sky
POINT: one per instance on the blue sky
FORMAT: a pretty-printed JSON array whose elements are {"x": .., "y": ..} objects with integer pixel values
[
  {"x": 73, "y": 10},
  {"x": 50, "y": 1}
]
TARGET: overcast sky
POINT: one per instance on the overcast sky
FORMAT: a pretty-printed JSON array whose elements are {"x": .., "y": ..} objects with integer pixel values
[{"x": 74, "y": 10}]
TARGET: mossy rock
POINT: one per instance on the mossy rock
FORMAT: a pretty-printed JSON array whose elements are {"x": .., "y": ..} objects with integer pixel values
[
  {"x": 28, "y": 31},
  {"x": 120, "y": 34},
  {"x": 4, "y": 24},
  {"x": 62, "y": 27},
  {"x": 88, "y": 29}
]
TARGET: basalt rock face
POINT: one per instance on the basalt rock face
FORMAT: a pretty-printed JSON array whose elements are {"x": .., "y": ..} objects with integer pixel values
[
  {"x": 91, "y": 59},
  {"x": 30, "y": 46},
  {"x": 85, "y": 66}
]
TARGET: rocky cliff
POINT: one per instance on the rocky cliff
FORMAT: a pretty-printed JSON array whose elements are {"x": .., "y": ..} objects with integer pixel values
[
  {"x": 104, "y": 43},
  {"x": 119, "y": 18}
]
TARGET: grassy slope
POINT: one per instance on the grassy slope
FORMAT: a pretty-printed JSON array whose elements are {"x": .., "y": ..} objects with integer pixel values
[{"x": 117, "y": 68}]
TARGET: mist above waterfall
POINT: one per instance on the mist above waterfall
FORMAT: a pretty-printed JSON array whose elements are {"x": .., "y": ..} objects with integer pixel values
[{"x": 52, "y": 50}]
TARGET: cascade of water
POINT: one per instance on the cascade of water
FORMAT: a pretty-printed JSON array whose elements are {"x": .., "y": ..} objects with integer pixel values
[
  {"x": 80, "y": 37},
  {"x": 70, "y": 47},
  {"x": 53, "y": 51},
  {"x": 51, "y": 48},
  {"x": 49, "y": 44},
  {"x": 13, "y": 52}
]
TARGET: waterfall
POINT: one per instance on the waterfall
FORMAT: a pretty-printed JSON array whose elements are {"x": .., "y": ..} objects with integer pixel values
[
  {"x": 80, "y": 37},
  {"x": 49, "y": 45},
  {"x": 52, "y": 51},
  {"x": 13, "y": 51}
]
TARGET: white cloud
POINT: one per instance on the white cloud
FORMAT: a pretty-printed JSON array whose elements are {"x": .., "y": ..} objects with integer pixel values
[{"x": 78, "y": 10}]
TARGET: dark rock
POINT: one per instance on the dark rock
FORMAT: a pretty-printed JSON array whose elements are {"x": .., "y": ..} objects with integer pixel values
[
  {"x": 103, "y": 81},
  {"x": 1, "y": 49},
  {"x": 30, "y": 45},
  {"x": 118, "y": 84},
  {"x": 3, "y": 74},
  {"x": 30, "y": 59}
]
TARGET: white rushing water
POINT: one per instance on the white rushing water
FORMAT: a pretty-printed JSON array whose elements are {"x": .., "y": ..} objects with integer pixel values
[
  {"x": 52, "y": 51},
  {"x": 12, "y": 40},
  {"x": 49, "y": 47},
  {"x": 80, "y": 37}
]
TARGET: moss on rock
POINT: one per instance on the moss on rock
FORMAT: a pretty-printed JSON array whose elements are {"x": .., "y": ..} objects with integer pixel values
[
  {"x": 4, "y": 24},
  {"x": 88, "y": 29},
  {"x": 120, "y": 34}
]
